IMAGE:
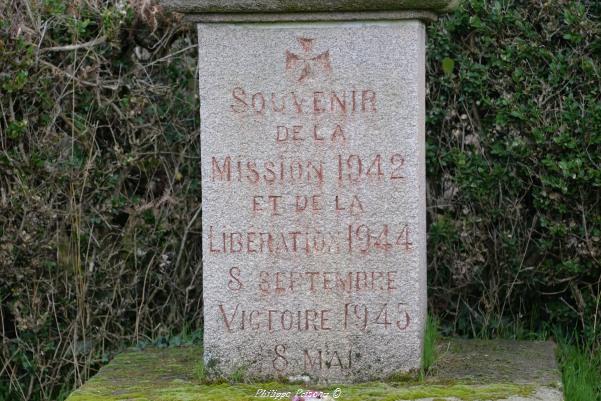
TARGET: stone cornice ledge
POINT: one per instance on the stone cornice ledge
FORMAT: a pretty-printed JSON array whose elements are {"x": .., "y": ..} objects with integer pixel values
[{"x": 308, "y": 10}]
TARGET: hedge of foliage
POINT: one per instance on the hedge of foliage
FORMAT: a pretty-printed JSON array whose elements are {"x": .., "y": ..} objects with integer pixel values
[
  {"x": 514, "y": 166},
  {"x": 100, "y": 187}
]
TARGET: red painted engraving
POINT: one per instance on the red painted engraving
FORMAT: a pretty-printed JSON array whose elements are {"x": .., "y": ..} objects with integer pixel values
[
  {"x": 324, "y": 282},
  {"x": 355, "y": 239},
  {"x": 370, "y": 317},
  {"x": 328, "y": 359},
  {"x": 306, "y": 62},
  {"x": 339, "y": 102}
]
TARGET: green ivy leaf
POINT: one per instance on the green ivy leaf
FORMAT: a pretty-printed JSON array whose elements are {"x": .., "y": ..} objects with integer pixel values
[{"x": 448, "y": 64}]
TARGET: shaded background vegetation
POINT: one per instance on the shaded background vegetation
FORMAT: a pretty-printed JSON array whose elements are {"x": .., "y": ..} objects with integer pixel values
[{"x": 100, "y": 179}]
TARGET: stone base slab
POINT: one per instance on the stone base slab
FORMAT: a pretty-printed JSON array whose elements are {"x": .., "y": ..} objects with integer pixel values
[{"x": 467, "y": 370}]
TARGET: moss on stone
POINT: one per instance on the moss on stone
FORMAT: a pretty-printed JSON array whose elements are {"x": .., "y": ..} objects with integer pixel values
[{"x": 172, "y": 375}]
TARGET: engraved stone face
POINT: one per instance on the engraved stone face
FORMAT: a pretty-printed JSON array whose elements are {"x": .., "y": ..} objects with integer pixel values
[{"x": 314, "y": 232}]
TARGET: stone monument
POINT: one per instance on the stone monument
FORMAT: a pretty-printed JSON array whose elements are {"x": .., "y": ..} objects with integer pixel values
[
  {"x": 313, "y": 174},
  {"x": 314, "y": 221}
]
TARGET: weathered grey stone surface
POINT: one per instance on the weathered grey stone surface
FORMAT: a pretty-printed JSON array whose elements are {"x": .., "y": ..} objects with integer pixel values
[
  {"x": 292, "y": 6},
  {"x": 173, "y": 374},
  {"x": 314, "y": 226},
  {"x": 531, "y": 364},
  {"x": 395, "y": 15},
  {"x": 486, "y": 361},
  {"x": 540, "y": 394}
]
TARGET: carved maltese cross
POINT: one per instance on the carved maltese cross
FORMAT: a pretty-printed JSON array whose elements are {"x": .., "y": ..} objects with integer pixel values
[{"x": 307, "y": 62}]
